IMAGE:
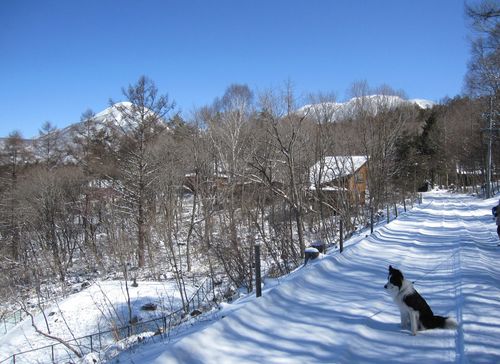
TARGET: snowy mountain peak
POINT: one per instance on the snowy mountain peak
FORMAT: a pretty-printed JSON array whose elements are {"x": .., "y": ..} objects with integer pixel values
[
  {"x": 124, "y": 115},
  {"x": 114, "y": 110}
]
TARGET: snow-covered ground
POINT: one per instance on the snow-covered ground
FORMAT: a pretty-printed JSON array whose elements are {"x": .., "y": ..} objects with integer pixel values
[
  {"x": 100, "y": 307},
  {"x": 335, "y": 310}
]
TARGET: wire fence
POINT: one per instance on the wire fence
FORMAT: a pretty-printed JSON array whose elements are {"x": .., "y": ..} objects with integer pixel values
[
  {"x": 205, "y": 296},
  {"x": 10, "y": 320}
]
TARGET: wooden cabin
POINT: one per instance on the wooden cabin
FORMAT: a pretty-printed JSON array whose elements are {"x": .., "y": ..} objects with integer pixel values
[{"x": 340, "y": 177}]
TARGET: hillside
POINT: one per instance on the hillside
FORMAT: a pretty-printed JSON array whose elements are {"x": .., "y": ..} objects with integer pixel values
[{"x": 336, "y": 311}]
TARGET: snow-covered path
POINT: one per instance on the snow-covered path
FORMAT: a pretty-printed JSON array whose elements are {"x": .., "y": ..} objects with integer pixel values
[{"x": 336, "y": 310}]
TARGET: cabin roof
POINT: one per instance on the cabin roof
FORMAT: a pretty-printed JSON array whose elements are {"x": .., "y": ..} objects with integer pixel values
[{"x": 334, "y": 167}]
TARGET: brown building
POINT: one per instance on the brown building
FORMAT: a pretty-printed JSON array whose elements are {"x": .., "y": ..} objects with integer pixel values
[{"x": 340, "y": 177}]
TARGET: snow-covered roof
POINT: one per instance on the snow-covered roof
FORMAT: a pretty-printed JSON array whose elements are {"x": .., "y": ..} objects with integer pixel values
[
  {"x": 334, "y": 167},
  {"x": 328, "y": 188}
]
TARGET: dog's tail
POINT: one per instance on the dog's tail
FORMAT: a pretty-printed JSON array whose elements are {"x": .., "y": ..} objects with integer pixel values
[{"x": 439, "y": 322}]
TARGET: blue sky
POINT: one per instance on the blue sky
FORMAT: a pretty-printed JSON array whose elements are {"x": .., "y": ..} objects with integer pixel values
[{"x": 60, "y": 58}]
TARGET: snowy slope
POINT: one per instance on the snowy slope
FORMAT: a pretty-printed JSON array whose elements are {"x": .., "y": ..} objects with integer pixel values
[
  {"x": 336, "y": 311},
  {"x": 99, "y": 307}
]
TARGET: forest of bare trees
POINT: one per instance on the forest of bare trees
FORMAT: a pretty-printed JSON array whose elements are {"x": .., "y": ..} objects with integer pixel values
[{"x": 142, "y": 187}]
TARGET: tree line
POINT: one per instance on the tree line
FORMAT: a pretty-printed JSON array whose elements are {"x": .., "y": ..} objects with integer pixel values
[{"x": 147, "y": 188}]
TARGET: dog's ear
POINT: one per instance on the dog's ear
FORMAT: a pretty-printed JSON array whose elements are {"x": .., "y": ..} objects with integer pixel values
[{"x": 390, "y": 268}]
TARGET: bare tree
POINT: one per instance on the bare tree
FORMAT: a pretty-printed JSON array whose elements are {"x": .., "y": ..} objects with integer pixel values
[
  {"x": 15, "y": 155},
  {"x": 88, "y": 151},
  {"x": 50, "y": 208},
  {"x": 228, "y": 130},
  {"x": 379, "y": 123},
  {"x": 483, "y": 73},
  {"x": 137, "y": 124},
  {"x": 48, "y": 146},
  {"x": 285, "y": 126},
  {"x": 324, "y": 114}
]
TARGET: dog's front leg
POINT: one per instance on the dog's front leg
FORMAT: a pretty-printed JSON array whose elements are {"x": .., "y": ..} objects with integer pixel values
[
  {"x": 405, "y": 319},
  {"x": 414, "y": 322}
]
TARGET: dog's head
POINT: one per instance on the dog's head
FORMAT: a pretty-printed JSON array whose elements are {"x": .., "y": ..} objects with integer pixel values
[{"x": 394, "y": 281}]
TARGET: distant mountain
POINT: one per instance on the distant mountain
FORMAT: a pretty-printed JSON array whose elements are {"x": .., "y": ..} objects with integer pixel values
[
  {"x": 336, "y": 111},
  {"x": 119, "y": 116},
  {"x": 110, "y": 117}
]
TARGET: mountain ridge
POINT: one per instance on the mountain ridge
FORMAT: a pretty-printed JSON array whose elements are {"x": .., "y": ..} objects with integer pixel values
[{"x": 371, "y": 104}]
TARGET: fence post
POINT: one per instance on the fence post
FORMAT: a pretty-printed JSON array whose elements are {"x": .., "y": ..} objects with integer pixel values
[
  {"x": 14, "y": 359},
  {"x": 91, "y": 345},
  {"x": 52, "y": 353},
  {"x": 164, "y": 324},
  {"x": 258, "y": 280},
  {"x": 371, "y": 219},
  {"x": 388, "y": 217},
  {"x": 341, "y": 232},
  {"x": 404, "y": 203},
  {"x": 396, "y": 210}
]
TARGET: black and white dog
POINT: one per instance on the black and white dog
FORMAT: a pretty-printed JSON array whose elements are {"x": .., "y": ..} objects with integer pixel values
[{"x": 415, "y": 312}]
